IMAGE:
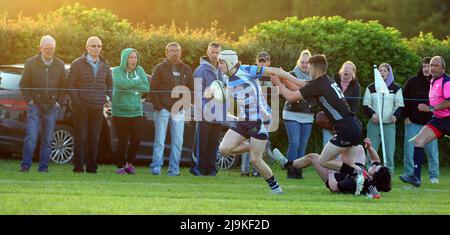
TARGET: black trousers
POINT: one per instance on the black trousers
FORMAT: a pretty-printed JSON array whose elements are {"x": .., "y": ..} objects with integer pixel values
[
  {"x": 88, "y": 125},
  {"x": 128, "y": 129},
  {"x": 207, "y": 145}
]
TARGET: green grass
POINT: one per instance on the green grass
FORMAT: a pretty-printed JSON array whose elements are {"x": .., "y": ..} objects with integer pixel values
[{"x": 62, "y": 192}]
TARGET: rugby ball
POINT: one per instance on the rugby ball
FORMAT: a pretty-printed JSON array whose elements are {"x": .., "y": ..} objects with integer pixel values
[{"x": 218, "y": 90}]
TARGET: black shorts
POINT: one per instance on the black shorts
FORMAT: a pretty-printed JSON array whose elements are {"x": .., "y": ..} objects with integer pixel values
[
  {"x": 440, "y": 126},
  {"x": 256, "y": 129},
  {"x": 348, "y": 132}
]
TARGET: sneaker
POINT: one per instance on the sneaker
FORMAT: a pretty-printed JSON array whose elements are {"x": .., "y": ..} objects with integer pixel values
[
  {"x": 373, "y": 192},
  {"x": 412, "y": 179},
  {"x": 280, "y": 158},
  {"x": 24, "y": 169},
  {"x": 156, "y": 171},
  {"x": 360, "y": 181},
  {"x": 173, "y": 174},
  {"x": 277, "y": 190},
  {"x": 121, "y": 171},
  {"x": 78, "y": 171},
  {"x": 245, "y": 174},
  {"x": 434, "y": 180},
  {"x": 194, "y": 171},
  {"x": 255, "y": 174},
  {"x": 129, "y": 168}
]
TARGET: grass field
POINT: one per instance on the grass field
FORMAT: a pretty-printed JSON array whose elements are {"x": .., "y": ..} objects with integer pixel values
[{"x": 62, "y": 192}]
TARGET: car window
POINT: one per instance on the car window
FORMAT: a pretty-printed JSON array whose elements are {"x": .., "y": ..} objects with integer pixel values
[{"x": 9, "y": 80}]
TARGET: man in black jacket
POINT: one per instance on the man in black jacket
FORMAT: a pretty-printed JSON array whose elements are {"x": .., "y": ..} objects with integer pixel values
[
  {"x": 168, "y": 75},
  {"x": 42, "y": 87},
  {"x": 416, "y": 92},
  {"x": 89, "y": 82}
]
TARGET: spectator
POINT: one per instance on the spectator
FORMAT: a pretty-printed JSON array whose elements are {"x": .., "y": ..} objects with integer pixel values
[
  {"x": 298, "y": 119},
  {"x": 347, "y": 81},
  {"x": 391, "y": 110},
  {"x": 415, "y": 93},
  {"x": 129, "y": 83},
  {"x": 43, "y": 75},
  {"x": 89, "y": 84},
  {"x": 439, "y": 124},
  {"x": 208, "y": 129},
  {"x": 167, "y": 75}
]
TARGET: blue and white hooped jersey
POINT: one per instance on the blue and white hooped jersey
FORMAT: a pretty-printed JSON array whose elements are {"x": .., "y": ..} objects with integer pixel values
[{"x": 245, "y": 89}]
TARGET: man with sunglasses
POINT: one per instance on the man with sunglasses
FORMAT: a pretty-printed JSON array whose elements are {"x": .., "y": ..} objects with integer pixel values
[{"x": 89, "y": 84}]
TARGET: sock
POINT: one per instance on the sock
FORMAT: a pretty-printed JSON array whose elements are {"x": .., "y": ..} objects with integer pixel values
[
  {"x": 347, "y": 169},
  {"x": 272, "y": 182},
  {"x": 288, "y": 164},
  {"x": 418, "y": 159}
]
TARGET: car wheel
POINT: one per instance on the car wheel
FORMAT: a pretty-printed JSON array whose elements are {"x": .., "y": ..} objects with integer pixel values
[
  {"x": 225, "y": 162},
  {"x": 63, "y": 144}
]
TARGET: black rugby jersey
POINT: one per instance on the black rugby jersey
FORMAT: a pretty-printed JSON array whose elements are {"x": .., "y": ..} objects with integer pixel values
[{"x": 327, "y": 93}]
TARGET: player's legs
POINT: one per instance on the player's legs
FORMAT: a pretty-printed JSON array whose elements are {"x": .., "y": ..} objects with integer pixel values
[
  {"x": 425, "y": 136},
  {"x": 233, "y": 143},
  {"x": 257, "y": 147},
  {"x": 312, "y": 159},
  {"x": 328, "y": 156}
]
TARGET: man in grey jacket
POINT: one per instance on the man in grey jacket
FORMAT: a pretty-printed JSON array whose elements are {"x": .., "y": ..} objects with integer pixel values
[
  {"x": 42, "y": 87},
  {"x": 208, "y": 128}
]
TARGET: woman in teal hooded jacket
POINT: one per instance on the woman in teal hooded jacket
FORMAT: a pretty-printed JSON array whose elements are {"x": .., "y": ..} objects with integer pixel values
[{"x": 129, "y": 83}]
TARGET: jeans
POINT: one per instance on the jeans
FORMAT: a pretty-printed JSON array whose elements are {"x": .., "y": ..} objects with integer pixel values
[
  {"x": 127, "y": 129},
  {"x": 431, "y": 149},
  {"x": 44, "y": 121},
  {"x": 88, "y": 121},
  {"x": 326, "y": 136},
  {"x": 298, "y": 135},
  {"x": 176, "y": 135},
  {"x": 373, "y": 132},
  {"x": 207, "y": 143}
]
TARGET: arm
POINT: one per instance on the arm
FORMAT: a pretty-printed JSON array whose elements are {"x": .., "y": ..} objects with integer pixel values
[
  {"x": 289, "y": 95},
  {"x": 143, "y": 86},
  {"x": 406, "y": 96},
  {"x": 190, "y": 84},
  {"x": 71, "y": 80},
  {"x": 374, "y": 157},
  {"x": 155, "y": 83},
  {"x": 108, "y": 82},
  {"x": 332, "y": 182},
  {"x": 442, "y": 105},
  {"x": 367, "y": 104},
  {"x": 62, "y": 86},
  {"x": 25, "y": 82},
  {"x": 128, "y": 84},
  {"x": 268, "y": 71},
  {"x": 354, "y": 102},
  {"x": 398, "y": 104}
]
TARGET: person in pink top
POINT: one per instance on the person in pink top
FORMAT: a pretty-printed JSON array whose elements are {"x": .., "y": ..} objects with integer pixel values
[{"x": 439, "y": 125}]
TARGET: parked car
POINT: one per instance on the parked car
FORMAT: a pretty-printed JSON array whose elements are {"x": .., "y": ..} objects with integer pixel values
[{"x": 13, "y": 117}]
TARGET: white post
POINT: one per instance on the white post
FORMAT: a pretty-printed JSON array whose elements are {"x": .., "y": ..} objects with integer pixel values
[
  {"x": 380, "y": 121},
  {"x": 381, "y": 88}
]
